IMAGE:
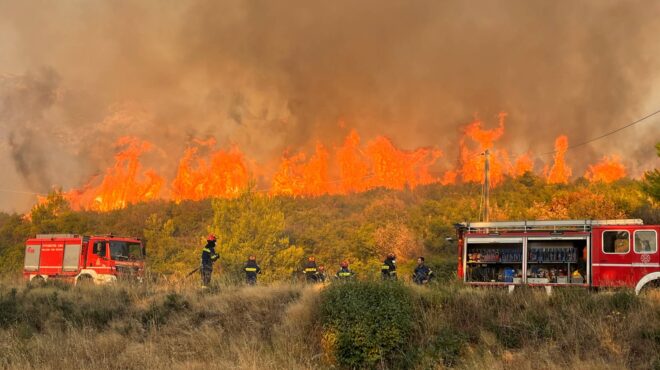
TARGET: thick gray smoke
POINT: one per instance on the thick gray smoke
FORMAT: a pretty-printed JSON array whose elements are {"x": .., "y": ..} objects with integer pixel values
[{"x": 271, "y": 75}]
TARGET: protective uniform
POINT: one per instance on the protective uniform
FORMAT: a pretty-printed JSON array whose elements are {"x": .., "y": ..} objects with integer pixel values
[
  {"x": 388, "y": 269},
  {"x": 251, "y": 270},
  {"x": 311, "y": 271},
  {"x": 422, "y": 273},
  {"x": 344, "y": 272},
  {"x": 208, "y": 257},
  {"x": 320, "y": 275}
]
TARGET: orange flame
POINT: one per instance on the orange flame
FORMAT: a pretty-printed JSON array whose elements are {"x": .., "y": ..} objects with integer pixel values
[
  {"x": 297, "y": 177},
  {"x": 353, "y": 168},
  {"x": 560, "y": 173},
  {"x": 225, "y": 174},
  {"x": 608, "y": 170},
  {"x": 394, "y": 168},
  {"x": 472, "y": 160},
  {"x": 121, "y": 184},
  {"x": 204, "y": 171}
]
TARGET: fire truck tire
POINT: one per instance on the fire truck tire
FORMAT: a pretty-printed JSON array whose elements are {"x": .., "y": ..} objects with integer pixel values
[
  {"x": 85, "y": 280},
  {"x": 37, "y": 280},
  {"x": 648, "y": 283}
]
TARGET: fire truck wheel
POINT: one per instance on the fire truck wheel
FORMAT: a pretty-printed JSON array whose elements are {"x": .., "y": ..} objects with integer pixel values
[
  {"x": 652, "y": 288},
  {"x": 85, "y": 280},
  {"x": 37, "y": 280}
]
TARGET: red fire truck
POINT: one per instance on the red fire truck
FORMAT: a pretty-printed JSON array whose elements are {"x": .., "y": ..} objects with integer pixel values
[
  {"x": 589, "y": 253},
  {"x": 78, "y": 259}
]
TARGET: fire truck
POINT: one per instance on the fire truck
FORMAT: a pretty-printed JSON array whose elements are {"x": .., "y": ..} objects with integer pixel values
[
  {"x": 587, "y": 253},
  {"x": 83, "y": 259}
]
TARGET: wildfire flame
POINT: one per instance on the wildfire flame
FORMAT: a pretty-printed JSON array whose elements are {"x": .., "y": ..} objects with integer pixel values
[
  {"x": 205, "y": 171},
  {"x": 472, "y": 160},
  {"x": 559, "y": 173},
  {"x": 224, "y": 174},
  {"x": 123, "y": 183},
  {"x": 609, "y": 169}
]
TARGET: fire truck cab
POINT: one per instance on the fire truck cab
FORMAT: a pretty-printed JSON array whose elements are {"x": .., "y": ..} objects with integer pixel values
[
  {"x": 588, "y": 253},
  {"x": 78, "y": 259}
]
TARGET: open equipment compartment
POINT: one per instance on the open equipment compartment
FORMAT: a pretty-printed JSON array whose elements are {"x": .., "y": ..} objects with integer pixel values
[
  {"x": 494, "y": 260},
  {"x": 557, "y": 260}
]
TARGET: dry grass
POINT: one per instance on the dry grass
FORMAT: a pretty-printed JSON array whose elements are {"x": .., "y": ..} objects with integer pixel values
[{"x": 179, "y": 325}]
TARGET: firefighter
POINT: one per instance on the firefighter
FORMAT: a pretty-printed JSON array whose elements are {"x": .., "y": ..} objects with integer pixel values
[
  {"x": 320, "y": 274},
  {"x": 344, "y": 272},
  {"x": 208, "y": 258},
  {"x": 388, "y": 269},
  {"x": 423, "y": 273},
  {"x": 251, "y": 270},
  {"x": 311, "y": 270}
]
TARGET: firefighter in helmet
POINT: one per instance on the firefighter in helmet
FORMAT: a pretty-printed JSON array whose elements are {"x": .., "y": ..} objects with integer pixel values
[
  {"x": 344, "y": 272},
  {"x": 208, "y": 258},
  {"x": 423, "y": 273},
  {"x": 251, "y": 270},
  {"x": 311, "y": 270},
  {"x": 388, "y": 269},
  {"x": 320, "y": 274}
]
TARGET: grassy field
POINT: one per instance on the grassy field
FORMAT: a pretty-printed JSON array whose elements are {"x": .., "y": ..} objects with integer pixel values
[{"x": 300, "y": 327}]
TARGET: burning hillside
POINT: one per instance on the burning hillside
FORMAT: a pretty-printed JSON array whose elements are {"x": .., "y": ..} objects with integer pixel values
[
  {"x": 269, "y": 81},
  {"x": 206, "y": 171}
]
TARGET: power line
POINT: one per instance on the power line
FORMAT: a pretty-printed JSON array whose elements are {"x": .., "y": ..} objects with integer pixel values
[{"x": 605, "y": 134}]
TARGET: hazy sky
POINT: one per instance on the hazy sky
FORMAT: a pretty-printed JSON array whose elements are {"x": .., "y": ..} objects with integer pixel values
[{"x": 271, "y": 75}]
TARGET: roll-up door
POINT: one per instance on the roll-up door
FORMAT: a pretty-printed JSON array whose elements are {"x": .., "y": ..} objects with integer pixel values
[
  {"x": 32, "y": 254},
  {"x": 71, "y": 257}
]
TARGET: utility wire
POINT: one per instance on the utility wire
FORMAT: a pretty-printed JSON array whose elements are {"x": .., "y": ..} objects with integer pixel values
[{"x": 605, "y": 134}]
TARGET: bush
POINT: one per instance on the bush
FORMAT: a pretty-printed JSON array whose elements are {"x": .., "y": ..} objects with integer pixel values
[
  {"x": 157, "y": 314},
  {"x": 448, "y": 345},
  {"x": 9, "y": 308},
  {"x": 367, "y": 323}
]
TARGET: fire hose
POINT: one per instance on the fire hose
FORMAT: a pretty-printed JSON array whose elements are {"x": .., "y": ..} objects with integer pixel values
[{"x": 193, "y": 271}]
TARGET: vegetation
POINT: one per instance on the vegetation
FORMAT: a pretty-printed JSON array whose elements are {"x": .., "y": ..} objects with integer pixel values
[
  {"x": 362, "y": 228},
  {"x": 168, "y": 322},
  {"x": 651, "y": 182},
  {"x": 355, "y": 325},
  {"x": 366, "y": 324}
]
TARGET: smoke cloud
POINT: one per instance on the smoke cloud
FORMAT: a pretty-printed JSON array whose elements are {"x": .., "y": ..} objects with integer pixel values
[{"x": 272, "y": 75}]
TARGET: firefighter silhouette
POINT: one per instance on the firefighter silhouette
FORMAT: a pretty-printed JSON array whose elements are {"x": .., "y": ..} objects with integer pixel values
[{"x": 208, "y": 258}]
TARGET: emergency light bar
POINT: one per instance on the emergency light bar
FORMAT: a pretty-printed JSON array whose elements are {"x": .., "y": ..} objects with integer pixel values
[{"x": 584, "y": 225}]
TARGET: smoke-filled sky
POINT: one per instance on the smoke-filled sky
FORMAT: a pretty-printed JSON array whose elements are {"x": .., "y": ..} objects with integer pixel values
[{"x": 270, "y": 75}]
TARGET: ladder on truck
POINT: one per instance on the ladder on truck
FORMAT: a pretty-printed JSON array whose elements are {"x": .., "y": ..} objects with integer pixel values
[{"x": 549, "y": 225}]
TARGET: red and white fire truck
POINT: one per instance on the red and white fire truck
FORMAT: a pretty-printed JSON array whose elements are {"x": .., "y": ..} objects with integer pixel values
[
  {"x": 77, "y": 259},
  {"x": 588, "y": 253}
]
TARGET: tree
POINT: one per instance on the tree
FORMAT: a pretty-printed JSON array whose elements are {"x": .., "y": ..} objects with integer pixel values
[
  {"x": 254, "y": 224},
  {"x": 165, "y": 253},
  {"x": 651, "y": 184}
]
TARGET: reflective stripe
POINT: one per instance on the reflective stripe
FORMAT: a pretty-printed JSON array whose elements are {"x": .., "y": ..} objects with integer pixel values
[
  {"x": 345, "y": 274},
  {"x": 385, "y": 267},
  {"x": 310, "y": 269},
  {"x": 250, "y": 269},
  {"x": 206, "y": 250}
]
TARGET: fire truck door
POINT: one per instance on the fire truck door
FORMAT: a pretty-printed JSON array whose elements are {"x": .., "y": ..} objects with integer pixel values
[
  {"x": 612, "y": 257},
  {"x": 646, "y": 258}
]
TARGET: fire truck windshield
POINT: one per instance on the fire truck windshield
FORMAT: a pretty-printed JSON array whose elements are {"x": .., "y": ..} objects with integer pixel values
[{"x": 125, "y": 251}]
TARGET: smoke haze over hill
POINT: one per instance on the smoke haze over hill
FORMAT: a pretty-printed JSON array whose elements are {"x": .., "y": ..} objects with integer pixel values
[{"x": 267, "y": 76}]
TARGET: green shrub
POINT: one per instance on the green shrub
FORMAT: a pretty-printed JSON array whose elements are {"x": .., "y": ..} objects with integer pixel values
[
  {"x": 623, "y": 300},
  {"x": 158, "y": 314},
  {"x": 448, "y": 345},
  {"x": 9, "y": 308},
  {"x": 371, "y": 323}
]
